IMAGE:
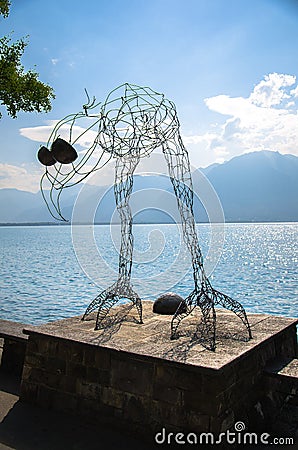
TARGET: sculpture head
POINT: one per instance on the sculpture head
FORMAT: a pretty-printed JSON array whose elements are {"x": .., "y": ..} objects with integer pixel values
[
  {"x": 61, "y": 152},
  {"x": 131, "y": 122},
  {"x": 71, "y": 154}
]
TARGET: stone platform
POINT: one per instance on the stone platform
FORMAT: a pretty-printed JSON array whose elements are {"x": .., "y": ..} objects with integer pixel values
[{"x": 135, "y": 377}]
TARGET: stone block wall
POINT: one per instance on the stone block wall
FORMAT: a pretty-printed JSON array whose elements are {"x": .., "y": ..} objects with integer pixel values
[
  {"x": 142, "y": 394},
  {"x": 13, "y": 355},
  {"x": 281, "y": 404}
]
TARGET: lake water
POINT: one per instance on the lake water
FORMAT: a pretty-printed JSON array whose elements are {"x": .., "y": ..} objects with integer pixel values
[{"x": 52, "y": 272}]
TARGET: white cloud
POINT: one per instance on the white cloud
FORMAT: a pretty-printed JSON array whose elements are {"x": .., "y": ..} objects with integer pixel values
[
  {"x": 271, "y": 91},
  {"x": 188, "y": 140},
  {"x": 25, "y": 177},
  {"x": 41, "y": 134},
  {"x": 294, "y": 92},
  {"x": 265, "y": 120},
  {"x": 54, "y": 61}
]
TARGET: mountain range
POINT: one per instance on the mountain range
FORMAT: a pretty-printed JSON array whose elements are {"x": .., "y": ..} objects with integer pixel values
[{"x": 254, "y": 187}]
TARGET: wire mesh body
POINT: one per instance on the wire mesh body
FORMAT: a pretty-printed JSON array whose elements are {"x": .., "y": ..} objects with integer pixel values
[{"x": 130, "y": 124}]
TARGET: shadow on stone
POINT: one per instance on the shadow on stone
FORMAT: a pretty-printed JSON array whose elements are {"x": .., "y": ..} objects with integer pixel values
[
  {"x": 113, "y": 322},
  {"x": 193, "y": 335},
  {"x": 28, "y": 427},
  {"x": 9, "y": 383}
]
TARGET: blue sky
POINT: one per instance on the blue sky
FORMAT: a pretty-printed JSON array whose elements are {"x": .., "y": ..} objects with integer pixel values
[{"x": 230, "y": 67}]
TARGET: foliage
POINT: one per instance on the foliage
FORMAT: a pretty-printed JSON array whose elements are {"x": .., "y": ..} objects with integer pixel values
[
  {"x": 20, "y": 90},
  {"x": 4, "y": 7}
]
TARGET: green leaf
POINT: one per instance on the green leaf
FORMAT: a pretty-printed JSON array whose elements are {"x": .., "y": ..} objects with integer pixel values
[{"x": 20, "y": 90}]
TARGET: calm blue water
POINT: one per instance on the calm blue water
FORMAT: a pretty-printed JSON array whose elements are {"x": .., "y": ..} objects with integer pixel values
[{"x": 54, "y": 272}]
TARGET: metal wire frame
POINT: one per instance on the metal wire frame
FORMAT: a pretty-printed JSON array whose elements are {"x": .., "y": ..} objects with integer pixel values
[{"x": 130, "y": 124}]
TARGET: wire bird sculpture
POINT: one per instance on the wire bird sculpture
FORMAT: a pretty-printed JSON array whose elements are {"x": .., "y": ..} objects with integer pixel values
[{"x": 130, "y": 124}]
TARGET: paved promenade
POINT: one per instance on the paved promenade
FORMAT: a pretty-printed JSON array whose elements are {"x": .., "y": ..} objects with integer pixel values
[{"x": 25, "y": 427}]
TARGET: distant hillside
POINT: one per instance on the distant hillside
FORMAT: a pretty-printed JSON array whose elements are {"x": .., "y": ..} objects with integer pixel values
[
  {"x": 258, "y": 186},
  {"x": 21, "y": 206}
]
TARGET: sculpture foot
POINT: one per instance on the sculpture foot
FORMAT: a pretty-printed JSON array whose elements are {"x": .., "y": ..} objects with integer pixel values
[
  {"x": 110, "y": 297},
  {"x": 207, "y": 326},
  {"x": 206, "y": 298}
]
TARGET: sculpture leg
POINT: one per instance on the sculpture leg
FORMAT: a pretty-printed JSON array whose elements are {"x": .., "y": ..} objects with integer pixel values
[
  {"x": 203, "y": 294},
  {"x": 179, "y": 171},
  {"x": 121, "y": 288}
]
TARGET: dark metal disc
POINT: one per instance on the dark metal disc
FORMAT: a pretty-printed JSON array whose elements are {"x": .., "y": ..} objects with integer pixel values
[
  {"x": 45, "y": 156},
  {"x": 168, "y": 304},
  {"x": 63, "y": 152}
]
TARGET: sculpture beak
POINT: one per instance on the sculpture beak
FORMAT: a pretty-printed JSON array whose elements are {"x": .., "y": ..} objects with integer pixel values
[
  {"x": 61, "y": 151},
  {"x": 45, "y": 157}
]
